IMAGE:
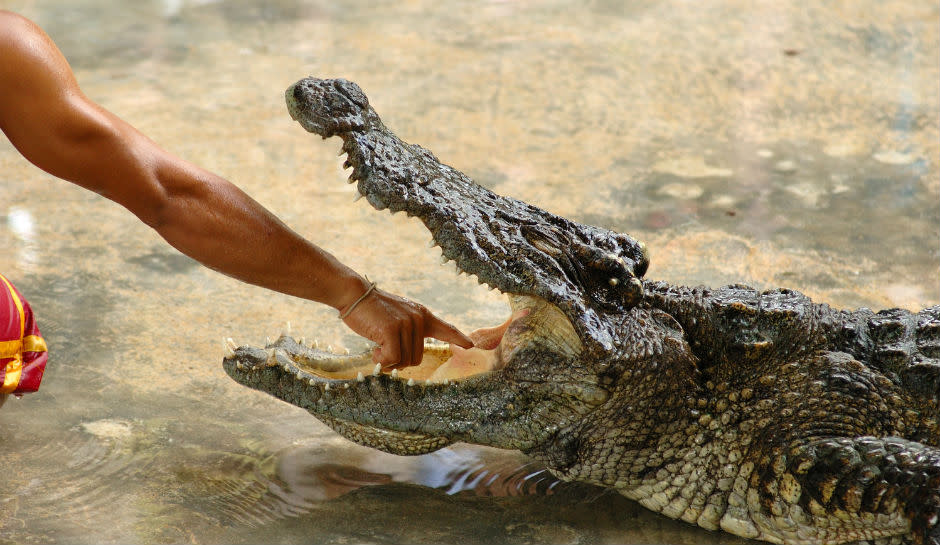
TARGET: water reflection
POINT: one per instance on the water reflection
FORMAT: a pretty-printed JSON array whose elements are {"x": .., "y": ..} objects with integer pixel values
[
  {"x": 22, "y": 226},
  {"x": 254, "y": 488},
  {"x": 458, "y": 471},
  {"x": 461, "y": 494}
]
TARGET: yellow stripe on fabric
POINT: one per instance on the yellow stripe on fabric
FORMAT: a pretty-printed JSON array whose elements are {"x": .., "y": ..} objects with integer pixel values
[
  {"x": 8, "y": 349},
  {"x": 33, "y": 343},
  {"x": 11, "y": 379}
]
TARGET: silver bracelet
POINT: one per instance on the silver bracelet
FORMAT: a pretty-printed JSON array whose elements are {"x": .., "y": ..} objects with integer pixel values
[{"x": 352, "y": 307}]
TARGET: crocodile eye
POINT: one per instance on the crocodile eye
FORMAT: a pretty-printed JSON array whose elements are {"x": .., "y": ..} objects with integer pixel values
[
  {"x": 608, "y": 277},
  {"x": 613, "y": 283},
  {"x": 615, "y": 264}
]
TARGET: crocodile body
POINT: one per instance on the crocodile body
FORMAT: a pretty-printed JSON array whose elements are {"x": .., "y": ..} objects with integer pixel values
[{"x": 762, "y": 414}]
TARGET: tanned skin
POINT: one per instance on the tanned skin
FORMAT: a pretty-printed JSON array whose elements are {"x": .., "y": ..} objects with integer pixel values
[{"x": 57, "y": 128}]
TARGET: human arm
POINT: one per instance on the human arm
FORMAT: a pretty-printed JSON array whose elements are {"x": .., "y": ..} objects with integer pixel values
[{"x": 56, "y": 127}]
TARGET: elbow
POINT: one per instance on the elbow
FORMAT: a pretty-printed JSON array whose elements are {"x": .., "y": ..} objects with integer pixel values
[
  {"x": 174, "y": 194},
  {"x": 155, "y": 213},
  {"x": 156, "y": 197},
  {"x": 150, "y": 199}
]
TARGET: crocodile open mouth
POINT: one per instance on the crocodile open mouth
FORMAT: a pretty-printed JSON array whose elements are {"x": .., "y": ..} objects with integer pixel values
[
  {"x": 560, "y": 277},
  {"x": 532, "y": 320},
  {"x": 552, "y": 269}
]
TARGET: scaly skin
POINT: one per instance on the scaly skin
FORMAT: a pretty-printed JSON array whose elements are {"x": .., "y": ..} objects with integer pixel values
[{"x": 759, "y": 413}]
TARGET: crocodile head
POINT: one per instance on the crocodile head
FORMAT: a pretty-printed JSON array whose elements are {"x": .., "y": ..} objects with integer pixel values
[{"x": 569, "y": 287}]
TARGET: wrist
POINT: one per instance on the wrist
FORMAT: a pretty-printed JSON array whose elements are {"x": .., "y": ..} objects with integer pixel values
[
  {"x": 348, "y": 309},
  {"x": 350, "y": 291}
]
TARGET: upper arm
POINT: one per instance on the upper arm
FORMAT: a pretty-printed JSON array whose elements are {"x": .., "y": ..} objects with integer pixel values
[{"x": 50, "y": 121}]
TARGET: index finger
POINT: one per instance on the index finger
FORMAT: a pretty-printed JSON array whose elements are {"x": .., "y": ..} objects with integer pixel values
[{"x": 443, "y": 331}]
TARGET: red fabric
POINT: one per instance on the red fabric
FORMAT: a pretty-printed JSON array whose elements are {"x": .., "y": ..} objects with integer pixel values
[{"x": 23, "y": 354}]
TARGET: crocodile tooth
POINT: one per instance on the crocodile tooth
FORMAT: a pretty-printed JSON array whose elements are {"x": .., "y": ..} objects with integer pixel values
[
  {"x": 302, "y": 341},
  {"x": 444, "y": 259},
  {"x": 411, "y": 382},
  {"x": 240, "y": 366},
  {"x": 329, "y": 348},
  {"x": 267, "y": 341},
  {"x": 395, "y": 373},
  {"x": 360, "y": 378},
  {"x": 312, "y": 382},
  {"x": 345, "y": 385},
  {"x": 346, "y": 351},
  {"x": 227, "y": 350},
  {"x": 341, "y": 152},
  {"x": 315, "y": 344},
  {"x": 327, "y": 387},
  {"x": 432, "y": 243},
  {"x": 357, "y": 197},
  {"x": 377, "y": 370},
  {"x": 286, "y": 332}
]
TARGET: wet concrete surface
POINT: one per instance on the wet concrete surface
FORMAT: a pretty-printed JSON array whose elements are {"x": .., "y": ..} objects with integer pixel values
[{"x": 747, "y": 142}]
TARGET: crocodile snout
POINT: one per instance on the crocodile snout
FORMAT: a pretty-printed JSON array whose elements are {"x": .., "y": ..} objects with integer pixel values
[{"x": 327, "y": 107}]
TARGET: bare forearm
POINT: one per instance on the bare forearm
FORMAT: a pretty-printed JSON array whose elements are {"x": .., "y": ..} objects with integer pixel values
[{"x": 214, "y": 222}]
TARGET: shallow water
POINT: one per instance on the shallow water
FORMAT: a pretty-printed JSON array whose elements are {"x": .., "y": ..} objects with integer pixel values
[{"x": 743, "y": 141}]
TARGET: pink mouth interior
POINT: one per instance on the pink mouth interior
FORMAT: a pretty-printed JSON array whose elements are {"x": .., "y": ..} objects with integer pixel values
[{"x": 483, "y": 357}]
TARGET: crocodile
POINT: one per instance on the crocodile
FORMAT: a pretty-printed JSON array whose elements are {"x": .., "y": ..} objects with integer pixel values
[{"x": 760, "y": 413}]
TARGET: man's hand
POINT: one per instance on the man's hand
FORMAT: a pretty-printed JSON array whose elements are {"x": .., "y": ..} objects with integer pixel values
[{"x": 399, "y": 327}]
